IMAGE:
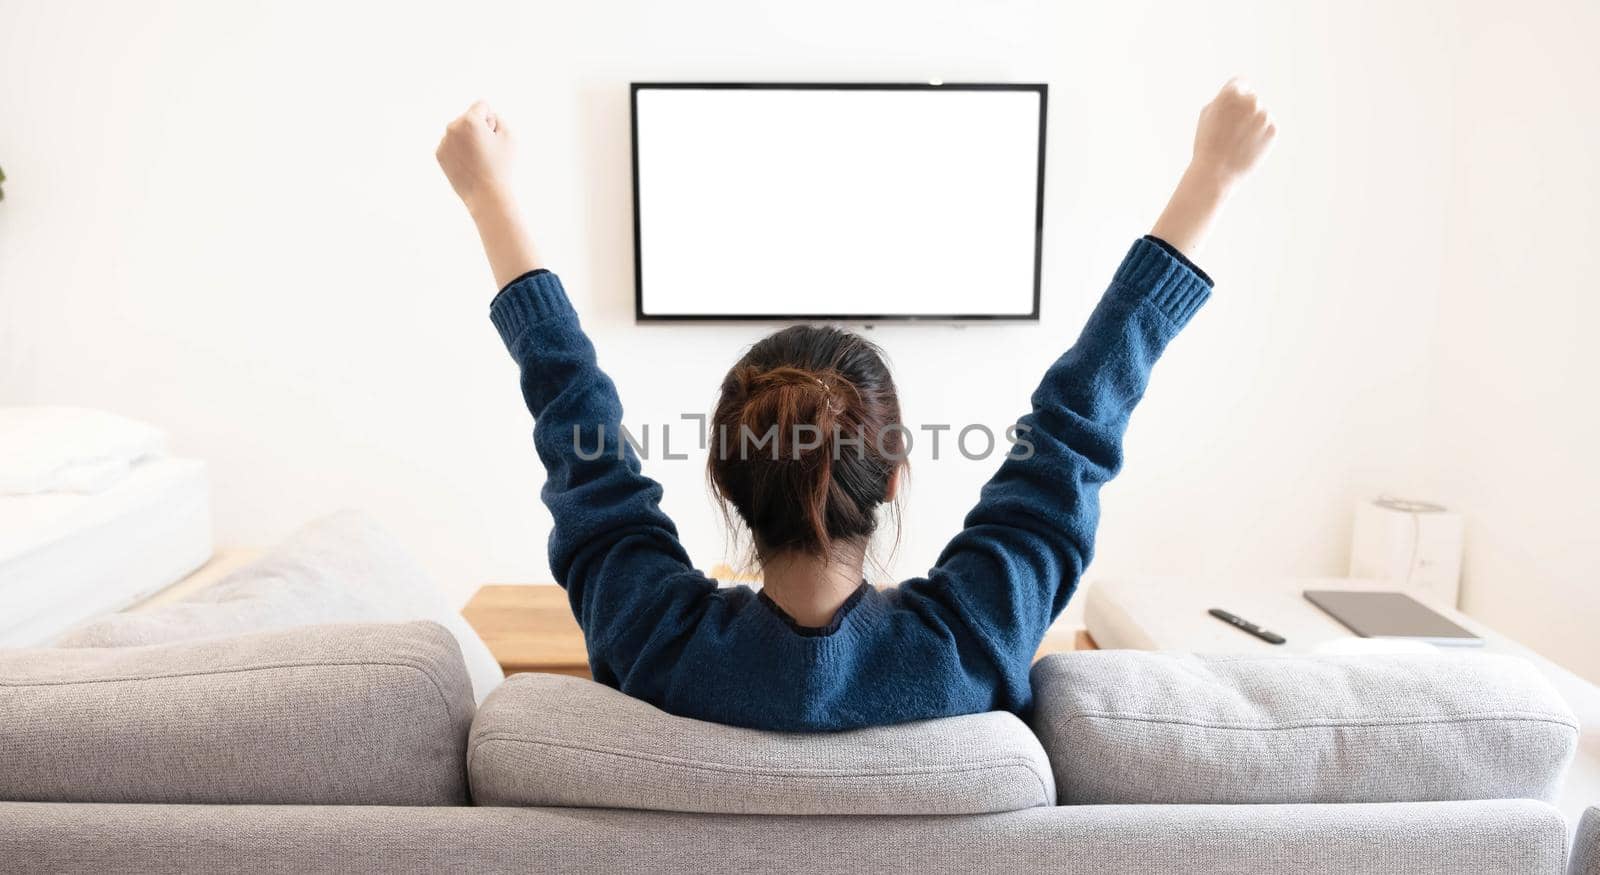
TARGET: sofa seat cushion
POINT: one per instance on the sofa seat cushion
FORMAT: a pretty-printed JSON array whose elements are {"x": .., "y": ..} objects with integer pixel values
[
  {"x": 352, "y": 714},
  {"x": 562, "y": 741},
  {"x": 1140, "y": 727},
  {"x": 1498, "y": 837}
]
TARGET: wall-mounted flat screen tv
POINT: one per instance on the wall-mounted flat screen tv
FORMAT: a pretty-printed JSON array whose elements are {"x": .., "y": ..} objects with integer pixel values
[{"x": 845, "y": 202}]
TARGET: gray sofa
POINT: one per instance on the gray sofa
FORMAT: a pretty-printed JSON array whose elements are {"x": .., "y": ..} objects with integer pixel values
[{"x": 358, "y": 748}]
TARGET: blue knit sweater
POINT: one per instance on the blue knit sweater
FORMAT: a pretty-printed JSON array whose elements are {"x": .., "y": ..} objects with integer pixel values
[{"x": 957, "y": 641}]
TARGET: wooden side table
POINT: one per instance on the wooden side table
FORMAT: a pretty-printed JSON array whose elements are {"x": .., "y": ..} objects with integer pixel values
[{"x": 529, "y": 627}]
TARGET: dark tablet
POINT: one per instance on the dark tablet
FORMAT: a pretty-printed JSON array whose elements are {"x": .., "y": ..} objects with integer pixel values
[{"x": 1390, "y": 615}]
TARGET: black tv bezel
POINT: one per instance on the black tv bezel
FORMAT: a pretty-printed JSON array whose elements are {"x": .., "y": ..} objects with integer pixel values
[{"x": 1042, "y": 89}]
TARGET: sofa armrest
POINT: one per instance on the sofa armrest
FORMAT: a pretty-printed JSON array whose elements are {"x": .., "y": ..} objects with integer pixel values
[{"x": 1142, "y": 727}]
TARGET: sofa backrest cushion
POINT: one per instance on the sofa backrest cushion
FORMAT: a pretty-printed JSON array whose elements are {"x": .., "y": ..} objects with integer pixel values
[
  {"x": 1586, "y": 845},
  {"x": 349, "y": 714},
  {"x": 1142, "y": 727},
  {"x": 563, "y": 741}
]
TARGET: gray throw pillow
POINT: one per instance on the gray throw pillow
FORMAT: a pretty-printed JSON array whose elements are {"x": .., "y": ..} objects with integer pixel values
[{"x": 342, "y": 568}]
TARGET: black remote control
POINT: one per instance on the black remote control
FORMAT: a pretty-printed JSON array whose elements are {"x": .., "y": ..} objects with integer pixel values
[{"x": 1239, "y": 622}]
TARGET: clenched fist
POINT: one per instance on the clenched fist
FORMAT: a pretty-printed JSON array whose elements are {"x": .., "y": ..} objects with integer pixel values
[
  {"x": 476, "y": 154},
  {"x": 1235, "y": 131}
]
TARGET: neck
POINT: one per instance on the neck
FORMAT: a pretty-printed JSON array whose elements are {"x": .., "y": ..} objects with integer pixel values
[{"x": 812, "y": 588}]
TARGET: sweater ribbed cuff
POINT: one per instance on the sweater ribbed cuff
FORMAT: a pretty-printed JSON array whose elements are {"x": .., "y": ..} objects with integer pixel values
[
  {"x": 529, "y": 300},
  {"x": 1154, "y": 275}
]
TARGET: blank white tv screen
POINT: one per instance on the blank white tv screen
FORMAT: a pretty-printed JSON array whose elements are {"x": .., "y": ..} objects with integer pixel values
[{"x": 793, "y": 202}]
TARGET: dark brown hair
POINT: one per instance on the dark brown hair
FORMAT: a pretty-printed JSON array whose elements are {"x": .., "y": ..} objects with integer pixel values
[{"x": 806, "y": 438}]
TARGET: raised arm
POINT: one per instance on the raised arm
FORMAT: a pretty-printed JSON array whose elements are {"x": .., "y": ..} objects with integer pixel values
[
  {"x": 477, "y": 155},
  {"x": 1026, "y": 543},
  {"x": 1235, "y": 130},
  {"x": 612, "y": 548}
]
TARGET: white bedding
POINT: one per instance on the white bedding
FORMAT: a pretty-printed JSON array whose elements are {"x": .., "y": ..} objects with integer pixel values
[
  {"x": 65, "y": 557},
  {"x": 71, "y": 449}
]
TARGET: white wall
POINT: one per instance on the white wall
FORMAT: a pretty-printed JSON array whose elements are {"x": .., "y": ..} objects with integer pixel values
[
  {"x": 1513, "y": 426},
  {"x": 226, "y": 219}
]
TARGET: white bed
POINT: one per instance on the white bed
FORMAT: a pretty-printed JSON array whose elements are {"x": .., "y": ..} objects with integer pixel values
[{"x": 66, "y": 557}]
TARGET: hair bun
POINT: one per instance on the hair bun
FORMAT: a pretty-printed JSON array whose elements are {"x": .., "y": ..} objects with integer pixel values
[
  {"x": 832, "y": 391},
  {"x": 787, "y": 411}
]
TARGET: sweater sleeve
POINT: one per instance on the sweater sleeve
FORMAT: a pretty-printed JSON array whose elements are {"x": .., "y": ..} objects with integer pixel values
[
  {"x": 1025, "y": 544},
  {"x": 617, "y": 554}
]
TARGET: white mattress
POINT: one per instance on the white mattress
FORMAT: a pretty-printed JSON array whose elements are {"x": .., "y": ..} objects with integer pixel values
[{"x": 67, "y": 557}]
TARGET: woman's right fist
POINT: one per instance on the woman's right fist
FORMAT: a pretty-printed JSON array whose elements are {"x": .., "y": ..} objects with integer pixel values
[
  {"x": 1235, "y": 131},
  {"x": 476, "y": 154}
]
